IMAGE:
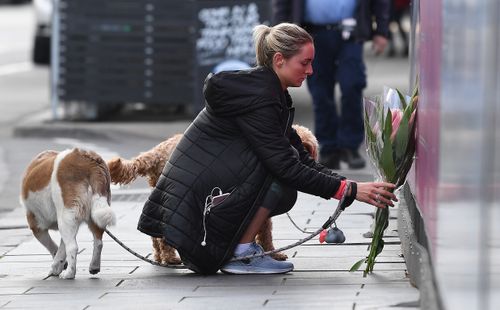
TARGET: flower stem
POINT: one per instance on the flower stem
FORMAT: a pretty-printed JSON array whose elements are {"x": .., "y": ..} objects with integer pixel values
[{"x": 381, "y": 223}]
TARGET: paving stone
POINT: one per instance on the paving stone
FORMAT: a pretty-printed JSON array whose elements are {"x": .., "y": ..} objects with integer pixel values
[
  {"x": 13, "y": 290},
  {"x": 344, "y": 277},
  {"x": 49, "y": 301},
  {"x": 192, "y": 280},
  {"x": 332, "y": 264},
  {"x": 354, "y": 253},
  {"x": 314, "y": 301},
  {"x": 215, "y": 302}
]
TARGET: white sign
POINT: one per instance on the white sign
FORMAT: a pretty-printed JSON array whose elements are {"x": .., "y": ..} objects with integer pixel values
[{"x": 226, "y": 33}]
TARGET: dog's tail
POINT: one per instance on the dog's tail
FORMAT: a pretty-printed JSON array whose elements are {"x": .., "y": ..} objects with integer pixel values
[
  {"x": 100, "y": 180},
  {"x": 122, "y": 171},
  {"x": 101, "y": 212}
]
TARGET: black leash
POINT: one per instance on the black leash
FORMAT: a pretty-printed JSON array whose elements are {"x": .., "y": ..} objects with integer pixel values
[
  {"x": 340, "y": 207},
  {"x": 152, "y": 262}
]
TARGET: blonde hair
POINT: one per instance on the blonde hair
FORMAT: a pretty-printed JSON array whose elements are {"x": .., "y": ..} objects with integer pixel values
[{"x": 285, "y": 38}]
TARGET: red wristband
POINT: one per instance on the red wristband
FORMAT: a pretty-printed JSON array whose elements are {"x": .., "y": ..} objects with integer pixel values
[{"x": 340, "y": 191}]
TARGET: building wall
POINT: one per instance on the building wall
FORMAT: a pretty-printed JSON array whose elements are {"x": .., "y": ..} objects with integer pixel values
[{"x": 456, "y": 177}]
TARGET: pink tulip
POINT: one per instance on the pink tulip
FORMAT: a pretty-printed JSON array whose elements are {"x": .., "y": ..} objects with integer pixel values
[{"x": 397, "y": 116}]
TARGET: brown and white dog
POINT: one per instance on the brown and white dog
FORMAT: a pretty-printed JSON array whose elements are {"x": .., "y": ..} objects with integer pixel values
[
  {"x": 60, "y": 190},
  {"x": 150, "y": 164}
]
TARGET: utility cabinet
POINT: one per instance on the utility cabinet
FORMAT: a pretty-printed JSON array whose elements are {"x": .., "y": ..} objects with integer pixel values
[{"x": 157, "y": 52}]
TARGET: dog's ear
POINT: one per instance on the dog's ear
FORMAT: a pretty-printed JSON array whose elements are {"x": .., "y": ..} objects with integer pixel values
[
  {"x": 308, "y": 140},
  {"x": 311, "y": 148}
]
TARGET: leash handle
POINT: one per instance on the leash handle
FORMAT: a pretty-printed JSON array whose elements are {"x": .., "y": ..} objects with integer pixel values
[{"x": 340, "y": 207}]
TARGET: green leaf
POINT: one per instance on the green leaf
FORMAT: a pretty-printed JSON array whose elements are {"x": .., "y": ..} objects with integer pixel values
[
  {"x": 387, "y": 130},
  {"x": 415, "y": 90},
  {"x": 386, "y": 224},
  {"x": 408, "y": 159},
  {"x": 356, "y": 266},
  {"x": 414, "y": 103},
  {"x": 387, "y": 162},
  {"x": 401, "y": 138},
  {"x": 386, "y": 159},
  {"x": 410, "y": 108},
  {"x": 402, "y": 99},
  {"x": 380, "y": 247}
]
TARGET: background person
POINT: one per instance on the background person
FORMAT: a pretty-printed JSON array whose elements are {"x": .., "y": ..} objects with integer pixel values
[
  {"x": 339, "y": 29},
  {"x": 399, "y": 8}
]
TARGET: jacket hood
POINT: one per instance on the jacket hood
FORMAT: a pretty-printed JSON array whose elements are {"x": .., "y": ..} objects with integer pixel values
[{"x": 229, "y": 93}]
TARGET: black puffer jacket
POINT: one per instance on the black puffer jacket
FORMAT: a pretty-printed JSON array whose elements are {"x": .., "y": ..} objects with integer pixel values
[{"x": 239, "y": 143}]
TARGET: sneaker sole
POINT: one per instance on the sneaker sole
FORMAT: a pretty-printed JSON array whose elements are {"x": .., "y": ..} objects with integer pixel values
[{"x": 255, "y": 271}]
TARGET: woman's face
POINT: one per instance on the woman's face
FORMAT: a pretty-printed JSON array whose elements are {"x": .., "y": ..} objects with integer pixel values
[{"x": 294, "y": 70}]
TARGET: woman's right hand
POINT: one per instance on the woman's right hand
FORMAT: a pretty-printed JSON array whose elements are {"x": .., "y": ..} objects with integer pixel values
[{"x": 378, "y": 194}]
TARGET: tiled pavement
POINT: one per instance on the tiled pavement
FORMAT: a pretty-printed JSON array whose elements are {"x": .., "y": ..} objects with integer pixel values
[{"x": 320, "y": 278}]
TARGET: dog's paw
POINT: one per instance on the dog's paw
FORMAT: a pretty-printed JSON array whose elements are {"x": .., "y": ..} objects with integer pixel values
[
  {"x": 53, "y": 273},
  {"x": 68, "y": 274},
  {"x": 95, "y": 267},
  {"x": 57, "y": 268},
  {"x": 279, "y": 256},
  {"x": 94, "y": 270},
  {"x": 172, "y": 261}
]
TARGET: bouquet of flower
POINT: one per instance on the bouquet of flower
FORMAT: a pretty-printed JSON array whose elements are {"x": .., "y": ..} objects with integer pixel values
[{"x": 390, "y": 139}]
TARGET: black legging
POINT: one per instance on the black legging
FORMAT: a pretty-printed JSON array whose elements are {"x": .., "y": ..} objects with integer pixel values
[{"x": 279, "y": 199}]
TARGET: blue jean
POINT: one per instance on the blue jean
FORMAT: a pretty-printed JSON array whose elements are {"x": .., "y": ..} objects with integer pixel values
[{"x": 337, "y": 61}]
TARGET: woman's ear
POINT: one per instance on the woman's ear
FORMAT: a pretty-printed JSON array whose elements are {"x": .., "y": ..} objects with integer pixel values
[{"x": 278, "y": 59}]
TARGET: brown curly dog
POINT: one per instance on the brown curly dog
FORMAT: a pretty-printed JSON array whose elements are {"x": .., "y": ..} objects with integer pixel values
[{"x": 150, "y": 165}]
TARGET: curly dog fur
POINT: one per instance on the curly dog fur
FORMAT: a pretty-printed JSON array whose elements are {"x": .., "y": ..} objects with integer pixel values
[{"x": 150, "y": 164}]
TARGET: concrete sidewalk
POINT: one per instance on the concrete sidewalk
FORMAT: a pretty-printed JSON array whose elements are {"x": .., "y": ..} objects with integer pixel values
[{"x": 320, "y": 279}]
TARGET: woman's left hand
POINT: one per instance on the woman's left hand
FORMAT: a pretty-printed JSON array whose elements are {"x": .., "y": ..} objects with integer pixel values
[{"x": 376, "y": 193}]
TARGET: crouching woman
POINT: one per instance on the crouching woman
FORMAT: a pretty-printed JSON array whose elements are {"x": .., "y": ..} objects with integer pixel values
[{"x": 242, "y": 145}]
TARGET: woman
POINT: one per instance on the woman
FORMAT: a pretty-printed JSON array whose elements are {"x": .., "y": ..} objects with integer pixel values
[{"x": 242, "y": 146}]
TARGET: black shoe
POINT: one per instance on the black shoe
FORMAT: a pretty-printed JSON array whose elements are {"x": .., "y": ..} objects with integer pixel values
[
  {"x": 331, "y": 160},
  {"x": 353, "y": 159},
  {"x": 392, "y": 52},
  {"x": 406, "y": 51}
]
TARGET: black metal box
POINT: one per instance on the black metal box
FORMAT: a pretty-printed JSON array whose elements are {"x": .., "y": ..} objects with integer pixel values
[{"x": 155, "y": 51}]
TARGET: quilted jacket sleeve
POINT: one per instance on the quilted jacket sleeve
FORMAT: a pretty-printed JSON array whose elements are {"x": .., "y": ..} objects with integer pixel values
[
  {"x": 307, "y": 160},
  {"x": 262, "y": 128}
]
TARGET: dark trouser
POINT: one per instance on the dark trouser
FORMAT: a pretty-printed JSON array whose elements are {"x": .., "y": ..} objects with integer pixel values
[
  {"x": 279, "y": 199},
  {"x": 337, "y": 61}
]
